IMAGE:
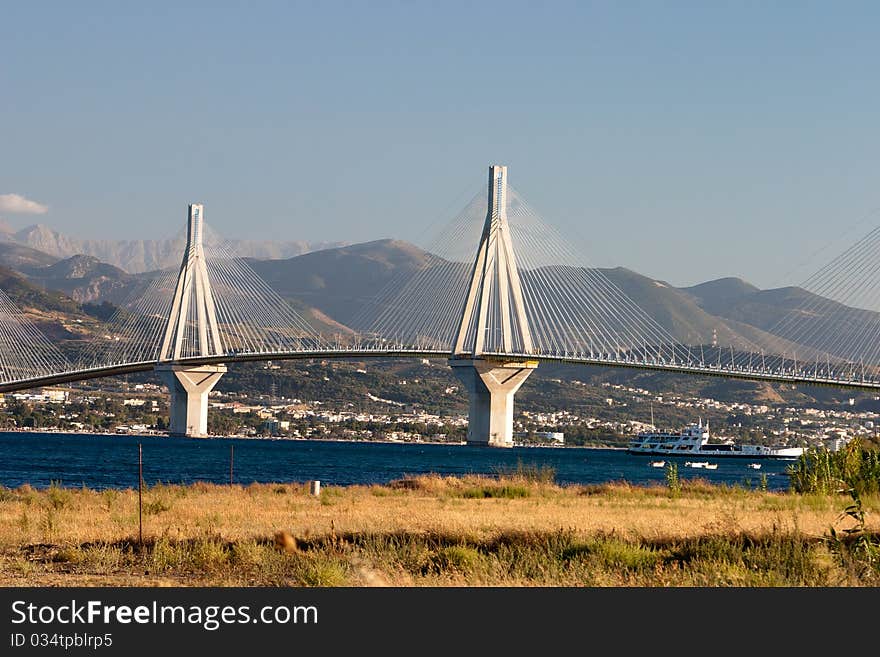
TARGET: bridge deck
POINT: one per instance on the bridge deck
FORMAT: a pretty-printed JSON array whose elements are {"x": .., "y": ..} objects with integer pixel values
[{"x": 792, "y": 376}]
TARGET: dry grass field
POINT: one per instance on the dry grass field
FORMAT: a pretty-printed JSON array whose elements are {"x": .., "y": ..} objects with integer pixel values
[{"x": 514, "y": 530}]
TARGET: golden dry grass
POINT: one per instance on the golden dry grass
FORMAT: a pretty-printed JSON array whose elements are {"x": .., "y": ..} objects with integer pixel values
[{"x": 428, "y": 530}]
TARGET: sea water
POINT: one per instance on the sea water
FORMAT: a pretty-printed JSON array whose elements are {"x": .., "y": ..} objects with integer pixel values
[{"x": 111, "y": 461}]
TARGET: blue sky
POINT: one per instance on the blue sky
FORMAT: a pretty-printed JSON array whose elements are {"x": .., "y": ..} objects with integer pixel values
[{"x": 687, "y": 141}]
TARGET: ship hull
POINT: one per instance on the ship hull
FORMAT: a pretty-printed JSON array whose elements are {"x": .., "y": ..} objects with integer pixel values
[{"x": 712, "y": 454}]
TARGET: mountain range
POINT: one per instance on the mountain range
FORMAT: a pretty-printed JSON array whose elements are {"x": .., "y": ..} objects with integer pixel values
[
  {"x": 331, "y": 286},
  {"x": 137, "y": 256}
]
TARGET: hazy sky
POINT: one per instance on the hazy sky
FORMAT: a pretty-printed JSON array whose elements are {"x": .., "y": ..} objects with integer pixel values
[{"x": 687, "y": 141}]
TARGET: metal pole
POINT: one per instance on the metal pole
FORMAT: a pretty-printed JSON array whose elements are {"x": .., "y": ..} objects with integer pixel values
[
  {"x": 140, "y": 495},
  {"x": 231, "y": 461}
]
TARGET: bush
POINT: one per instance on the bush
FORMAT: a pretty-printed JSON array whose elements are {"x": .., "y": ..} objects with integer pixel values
[{"x": 855, "y": 467}]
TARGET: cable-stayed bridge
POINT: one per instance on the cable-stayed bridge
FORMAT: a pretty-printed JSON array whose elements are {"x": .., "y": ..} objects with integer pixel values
[{"x": 500, "y": 292}]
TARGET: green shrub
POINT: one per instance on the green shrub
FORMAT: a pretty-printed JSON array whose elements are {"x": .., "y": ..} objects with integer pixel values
[
  {"x": 502, "y": 490},
  {"x": 821, "y": 471},
  {"x": 672, "y": 479},
  {"x": 58, "y": 497}
]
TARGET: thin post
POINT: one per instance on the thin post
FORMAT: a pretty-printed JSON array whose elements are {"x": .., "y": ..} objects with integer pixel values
[
  {"x": 140, "y": 495},
  {"x": 231, "y": 461}
]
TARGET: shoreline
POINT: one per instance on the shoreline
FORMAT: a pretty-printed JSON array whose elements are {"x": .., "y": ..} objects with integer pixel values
[{"x": 287, "y": 438}]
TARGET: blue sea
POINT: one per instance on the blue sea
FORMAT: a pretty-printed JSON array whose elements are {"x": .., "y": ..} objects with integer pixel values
[{"x": 111, "y": 461}]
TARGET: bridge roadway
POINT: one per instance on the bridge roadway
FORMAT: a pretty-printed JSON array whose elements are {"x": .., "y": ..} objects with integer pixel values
[{"x": 787, "y": 376}]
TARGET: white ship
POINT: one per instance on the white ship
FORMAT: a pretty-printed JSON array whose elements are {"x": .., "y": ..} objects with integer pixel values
[{"x": 693, "y": 440}]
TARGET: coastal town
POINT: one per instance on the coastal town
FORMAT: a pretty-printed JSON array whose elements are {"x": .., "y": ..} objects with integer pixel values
[{"x": 623, "y": 411}]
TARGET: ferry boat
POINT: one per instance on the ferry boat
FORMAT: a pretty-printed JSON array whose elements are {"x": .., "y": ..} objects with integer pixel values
[{"x": 693, "y": 440}]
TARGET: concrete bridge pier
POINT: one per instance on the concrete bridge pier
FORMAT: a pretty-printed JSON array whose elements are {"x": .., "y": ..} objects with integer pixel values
[
  {"x": 491, "y": 387},
  {"x": 189, "y": 387}
]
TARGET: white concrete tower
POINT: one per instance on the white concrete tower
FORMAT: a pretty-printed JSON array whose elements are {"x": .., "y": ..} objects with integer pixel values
[
  {"x": 191, "y": 331},
  {"x": 494, "y": 315},
  {"x": 493, "y": 326}
]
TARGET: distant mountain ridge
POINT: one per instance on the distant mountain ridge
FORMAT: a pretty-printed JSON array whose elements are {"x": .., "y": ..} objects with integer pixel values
[
  {"x": 137, "y": 256},
  {"x": 333, "y": 287},
  {"x": 83, "y": 278},
  {"x": 341, "y": 280},
  {"x": 20, "y": 258}
]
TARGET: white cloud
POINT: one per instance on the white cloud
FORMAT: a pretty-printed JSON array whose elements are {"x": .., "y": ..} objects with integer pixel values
[{"x": 16, "y": 204}]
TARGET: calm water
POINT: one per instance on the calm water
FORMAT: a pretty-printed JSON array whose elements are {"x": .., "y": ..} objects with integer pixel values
[{"x": 100, "y": 461}]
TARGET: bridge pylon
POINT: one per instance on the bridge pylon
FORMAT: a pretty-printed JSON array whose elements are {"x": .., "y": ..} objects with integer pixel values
[
  {"x": 493, "y": 323},
  {"x": 192, "y": 331}
]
